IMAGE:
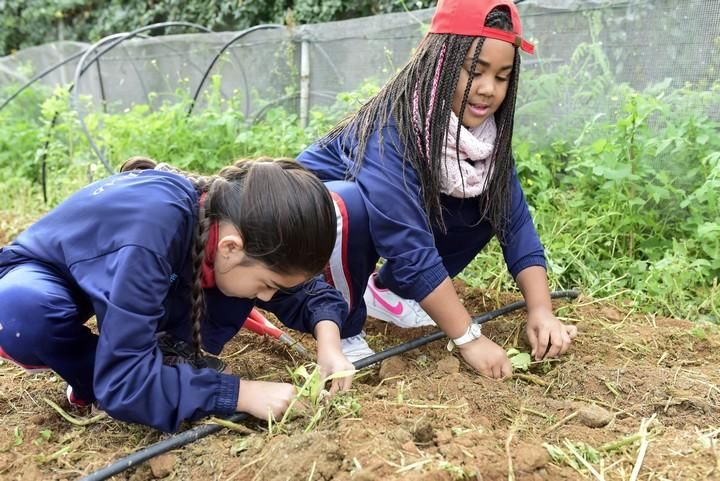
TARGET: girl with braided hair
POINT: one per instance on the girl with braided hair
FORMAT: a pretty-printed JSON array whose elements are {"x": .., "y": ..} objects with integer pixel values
[
  {"x": 153, "y": 250},
  {"x": 423, "y": 176}
]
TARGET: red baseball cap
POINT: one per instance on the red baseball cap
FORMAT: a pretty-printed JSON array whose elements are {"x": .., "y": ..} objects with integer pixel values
[{"x": 467, "y": 17}]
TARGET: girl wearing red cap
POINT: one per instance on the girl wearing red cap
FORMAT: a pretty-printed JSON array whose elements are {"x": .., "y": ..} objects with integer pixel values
[{"x": 423, "y": 176}]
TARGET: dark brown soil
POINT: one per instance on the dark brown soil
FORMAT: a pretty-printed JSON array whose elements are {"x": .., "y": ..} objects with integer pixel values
[{"x": 425, "y": 415}]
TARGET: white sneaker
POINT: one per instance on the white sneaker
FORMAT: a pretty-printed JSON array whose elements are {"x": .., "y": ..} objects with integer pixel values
[
  {"x": 387, "y": 306},
  {"x": 356, "y": 347}
]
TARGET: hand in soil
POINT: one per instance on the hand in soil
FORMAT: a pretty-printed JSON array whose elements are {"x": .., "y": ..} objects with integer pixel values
[
  {"x": 487, "y": 357},
  {"x": 547, "y": 335},
  {"x": 257, "y": 398},
  {"x": 332, "y": 361},
  {"x": 330, "y": 357}
]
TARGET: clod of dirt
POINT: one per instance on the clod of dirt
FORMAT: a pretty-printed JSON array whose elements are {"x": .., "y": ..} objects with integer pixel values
[
  {"x": 443, "y": 437},
  {"x": 381, "y": 393},
  {"x": 400, "y": 436},
  {"x": 364, "y": 475},
  {"x": 410, "y": 447},
  {"x": 611, "y": 314},
  {"x": 394, "y": 366},
  {"x": 424, "y": 433},
  {"x": 32, "y": 473},
  {"x": 39, "y": 419},
  {"x": 448, "y": 365},
  {"x": 529, "y": 458},
  {"x": 162, "y": 465},
  {"x": 594, "y": 416}
]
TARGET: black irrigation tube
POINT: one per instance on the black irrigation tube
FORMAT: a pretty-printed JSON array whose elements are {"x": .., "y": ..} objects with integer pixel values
[
  {"x": 40, "y": 76},
  {"x": 242, "y": 70},
  {"x": 52, "y": 68},
  {"x": 257, "y": 115},
  {"x": 43, "y": 159},
  {"x": 116, "y": 39},
  {"x": 81, "y": 68},
  {"x": 192, "y": 435}
]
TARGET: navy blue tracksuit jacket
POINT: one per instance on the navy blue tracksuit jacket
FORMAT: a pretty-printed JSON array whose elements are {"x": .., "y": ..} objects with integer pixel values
[
  {"x": 120, "y": 249},
  {"x": 394, "y": 226}
]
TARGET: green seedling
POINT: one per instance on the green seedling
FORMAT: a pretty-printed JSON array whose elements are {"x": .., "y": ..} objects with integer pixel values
[
  {"x": 42, "y": 459},
  {"x": 560, "y": 456},
  {"x": 520, "y": 360},
  {"x": 240, "y": 446},
  {"x": 18, "y": 436},
  {"x": 456, "y": 472},
  {"x": 313, "y": 401},
  {"x": 698, "y": 333},
  {"x": 44, "y": 437}
]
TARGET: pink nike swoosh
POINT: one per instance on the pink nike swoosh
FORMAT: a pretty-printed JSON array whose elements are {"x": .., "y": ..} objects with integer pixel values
[{"x": 395, "y": 310}]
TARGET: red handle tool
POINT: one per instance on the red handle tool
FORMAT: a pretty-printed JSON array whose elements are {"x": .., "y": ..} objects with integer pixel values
[{"x": 259, "y": 324}]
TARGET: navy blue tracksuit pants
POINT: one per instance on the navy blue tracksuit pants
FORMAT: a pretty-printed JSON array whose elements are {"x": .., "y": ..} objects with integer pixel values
[{"x": 43, "y": 326}]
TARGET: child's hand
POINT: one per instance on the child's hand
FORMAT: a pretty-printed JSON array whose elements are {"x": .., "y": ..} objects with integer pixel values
[
  {"x": 332, "y": 360},
  {"x": 258, "y": 398},
  {"x": 330, "y": 356},
  {"x": 487, "y": 357},
  {"x": 545, "y": 331}
]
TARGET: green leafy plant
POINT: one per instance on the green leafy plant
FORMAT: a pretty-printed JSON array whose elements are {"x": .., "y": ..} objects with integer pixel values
[
  {"x": 43, "y": 437},
  {"x": 313, "y": 402},
  {"x": 626, "y": 202},
  {"x": 520, "y": 360},
  {"x": 570, "y": 457}
]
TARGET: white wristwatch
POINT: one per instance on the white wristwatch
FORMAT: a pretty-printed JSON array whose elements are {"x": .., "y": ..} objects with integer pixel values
[{"x": 474, "y": 331}]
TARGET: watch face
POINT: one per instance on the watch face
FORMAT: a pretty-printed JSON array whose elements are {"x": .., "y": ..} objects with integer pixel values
[{"x": 476, "y": 330}]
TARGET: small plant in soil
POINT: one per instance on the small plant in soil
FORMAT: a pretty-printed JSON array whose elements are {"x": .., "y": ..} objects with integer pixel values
[
  {"x": 313, "y": 403},
  {"x": 520, "y": 360}
]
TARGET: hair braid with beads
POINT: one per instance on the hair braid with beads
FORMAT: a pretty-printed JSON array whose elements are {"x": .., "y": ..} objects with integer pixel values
[{"x": 415, "y": 80}]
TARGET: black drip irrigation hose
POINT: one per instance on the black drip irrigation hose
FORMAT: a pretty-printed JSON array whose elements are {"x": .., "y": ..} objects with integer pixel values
[
  {"x": 192, "y": 435},
  {"x": 40, "y": 76},
  {"x": 80, "y": 69},
  {"x": 43, "y": 158},
  {"x": 242, "y": 70}
]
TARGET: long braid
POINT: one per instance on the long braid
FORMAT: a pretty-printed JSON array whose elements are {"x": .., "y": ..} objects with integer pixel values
[
  {"x": 396, "y": 98},
  {"x": 200, "y": 238},
  {"x": 202, "y": 185},
  {"x": 499, "y": 189}
]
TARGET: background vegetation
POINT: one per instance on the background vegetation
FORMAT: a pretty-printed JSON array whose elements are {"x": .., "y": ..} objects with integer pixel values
[
  {"x": 627, "y": 202},
  {"x": 24, "y": 23}
]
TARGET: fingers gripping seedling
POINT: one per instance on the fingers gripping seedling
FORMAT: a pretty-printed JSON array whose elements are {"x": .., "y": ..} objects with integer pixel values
[
  {"x": 345, "y": 403},
  {"x": 313, "y": 401}
]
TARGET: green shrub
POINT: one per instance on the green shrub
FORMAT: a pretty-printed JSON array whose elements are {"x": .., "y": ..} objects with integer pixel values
[{"x": 627, "y": 203}]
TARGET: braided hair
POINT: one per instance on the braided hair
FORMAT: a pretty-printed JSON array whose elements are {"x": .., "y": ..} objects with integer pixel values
[
  {"x": 434, "y": 92},
  {"x": 284, "y": 214}
]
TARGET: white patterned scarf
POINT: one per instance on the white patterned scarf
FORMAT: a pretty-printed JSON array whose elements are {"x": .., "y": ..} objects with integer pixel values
[{"x": 470, "y": 176}]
